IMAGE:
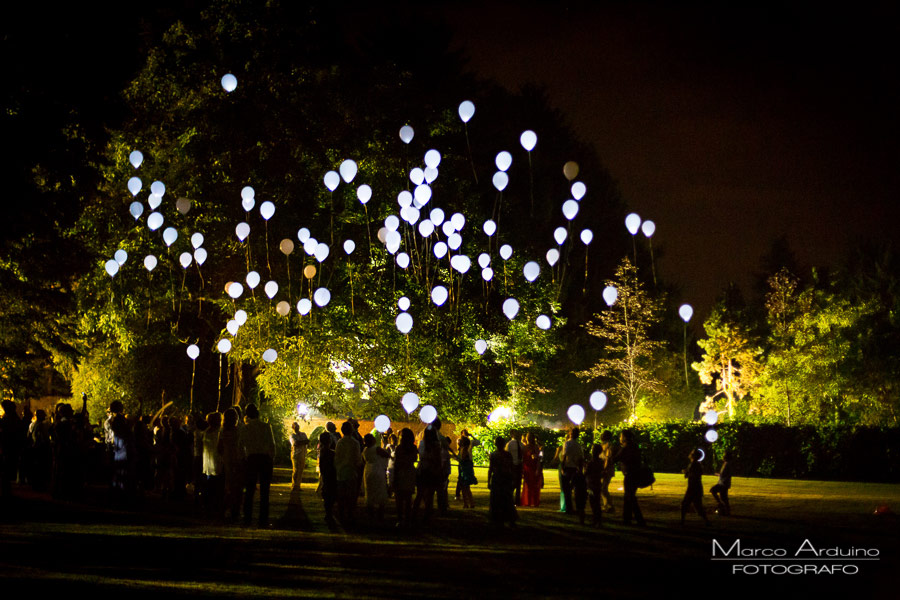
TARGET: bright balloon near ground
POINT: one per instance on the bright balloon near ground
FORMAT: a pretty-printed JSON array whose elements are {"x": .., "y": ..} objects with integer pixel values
[
  {"x": 403, "y": 260},
  {"x": 136, "y": 158},
  {"x": 439, "y": 295},
  {"x": 598, "y": 400},
  {"x": 304, "y": 306},
  {"x": 711, "y": 417},
  {"x": 235, "y": 290},
  {"x": 112, "y": 267},
  {"x": 610, "y": 294},
  {"x": 382, "y": 423},
  {"x": 403, "y": 303},
  {"x": 154, "y": 200},
  {"x": 229, "y": 83},
  {"x": 576, "y": 414},
  {"x": 587, "y": 236},
  {"x": 232, "y": 327},
  {"x": 503, "y": 160},
  {"x": 150, "y": 262},
  {"x": 271, "y": 289},
  {"x": 224, "y": 346},
  {"x": 686, "y": 311},
  {"x": 410, "y": 401},
  {"x": 531, "y": 270},
  {"x": 543, "y": 322},
  {"x": 487, "y": 273},
  {"x": 510, "y": 308},
  {"x": 500, "y": 180},
  {"x": 480, "y": 346},
  {"x": 200, "y": 255},
  {"x": 440, "y": 250},
  {"x": 331, "y": 180},
  {"x": 466, "y": 110},
  {"x": 633, "y": 223},
  {"x": 240, "y": 316},
  {"x": 193, "y": 351},
  {"x": 322, "y": 297},
  {"x": 406, "y": 134},
  {"x": 270, "y": 355},
  {"x": 348, "y": 170},
  {"x": 528, "y": 139},
  {"x": 404, "y": 322},
  {"x": 428, "y": 414}
]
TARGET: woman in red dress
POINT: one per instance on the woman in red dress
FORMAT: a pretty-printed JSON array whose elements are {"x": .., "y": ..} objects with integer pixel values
[{"x": 532, "y": 472}]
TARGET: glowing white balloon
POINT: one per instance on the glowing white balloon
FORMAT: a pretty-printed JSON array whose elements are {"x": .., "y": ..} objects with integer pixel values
[
  {"x": 304, "y": 306},
  {"x": 242, "y": 231},
  {"x": 484, "y": 259},
  {"x": 158, "y": 188},
  {"x": 649, "y": 228},
  {"x": 405, "y": 198},
  {"x": 232, "y": 327},
  {"x": 458, "y": 220},
  {"x": 543, "y": 322},
  {"x": 382, "y": 423},
  {"x": 711, "y": 417},
  {"x": 270, "y": 355},
  {"x": 404, "y": 322},
  {"x": 331, "y": 180},
  {"x": 266, "y": 210},
  {"x": 224, "y": 346},
  {"x": 570, "y": 209},
  {"x": 633, "y": 223},
  {"x": 436, "y": 216},
  {"x": 349, "y": 246},
  {"x": 461, "y": 263},
  {"x": 552, "y": 256},
  {"x": 200, "y": 256},
  {"x": 392, "y": 222},
  {"x": 531, "y": 270},
  {"x": 686, "y": 311},
  {"x": 170, "y": 235},
  {"x": 409, "y": 401},
  {"x": 136, "y": 158},
  {"x": 560, "y": 234},
  {"x": 229, "y": 84},
  {"x": 403, "y": 303},
  {"x": 510, "y": 308},
  {"x": 252, "y": 280},
  {"x": 505, "y": 251},
  {"x": 610, "y": 294},
  {"x": 448, "y": 228},
  {"x": 321, "y": 252},
  {"x": 193, "y": 351},
  {"x": 185, "y": 259},
  {"x": 423, "y": 194},
  {"x": 406, "y": 134},
  {"x": 528, "y": 139},
  {"x": 134, "y": 185},
  {"x": 500, "y": 180},
  {"x": 426, "y": 228},
  {"x": 410, "y": 215},
  {"x": 439, "y": 295},
  {"x": 576, "y": 414},
  {"x": 240, "y": 316},
  {"x": 271, "y": 288},
  {"x": 322, "y": 297},
  {"x": 112, "y": 267},
  {"x": 364, "y": 193},
  {"x": 503, "y": 160},
  {"x": 155, "y": 221},
  {"x": 431, "y": 174},
  {"x": 432, "y": 159},
  {"x": 587, "y": 236},
  {"x": 136, "y": 209},
  {"x": 197, "y": 240},
  {"x": 440, "y": 250},
  {"x": 711, "y": 436},
  {"x": 247, "y": 204},
  {"x": 235, "y": 290},
  {"x": 417, "y": 176},
  {"x": 487, "y": 273},
  {"x": 150, "y": 262},
  {"x": 392, "y": 240},
  {"x": 310, "y": 245},
  {"x": 578, "y": 190},
  {"x": 121, "y": 256},
  {"x": 348, "y": 170},
  {"x": 480, "y": 346},
  {"x": 702, "y": 454},
  {"x": 154, "y": 200},
  {"x": 454, "y": 240},
  {"x": 403, "y": 260},
  {"x": 598, "y": 400},
  {"x": 466, "y": 110},
  {"x": 428, "y": 414},
  {"x": 248, "y": 193},
  {"x": 489, "y": 227}
]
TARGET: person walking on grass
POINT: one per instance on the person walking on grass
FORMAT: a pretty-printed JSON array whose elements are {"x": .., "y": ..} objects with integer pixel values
[
  {"x": 694, "y": 493},
  {"x": 630, "y": 459},
  {"x": 258, "y": 443},
  {"x": 501, "y": 479},
  {"x": 466, "y": 476},
  {"x": 720, "y": 490}
]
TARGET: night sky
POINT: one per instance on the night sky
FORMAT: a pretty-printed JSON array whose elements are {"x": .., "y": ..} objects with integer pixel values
[{"x": 728, "y": 127}]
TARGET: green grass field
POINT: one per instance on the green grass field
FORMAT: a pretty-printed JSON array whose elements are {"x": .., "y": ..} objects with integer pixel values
[{"x": 164, "y": 549}]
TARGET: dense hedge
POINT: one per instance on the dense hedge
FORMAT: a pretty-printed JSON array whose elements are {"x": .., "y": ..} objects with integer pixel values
[{"x": 767, "y": 450}]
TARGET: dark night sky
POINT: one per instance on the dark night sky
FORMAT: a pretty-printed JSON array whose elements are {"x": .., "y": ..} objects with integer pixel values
[{"x": 728, "y": 129}]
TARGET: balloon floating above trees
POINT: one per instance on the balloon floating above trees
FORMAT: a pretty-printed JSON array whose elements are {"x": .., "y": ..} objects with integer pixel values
[
  {"x": 136, "y": 158},
  {"x": 466, "y": 111},
  {"x": 193, "y": 351},
  {"x": 633, "y": 223},
  {"x": 578, "y": 190},
  {"x": 685, "y": 311},
  {"x": 406, "y": 134}
]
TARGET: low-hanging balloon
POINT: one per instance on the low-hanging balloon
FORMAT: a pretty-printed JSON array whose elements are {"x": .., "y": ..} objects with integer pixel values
[
  {"x": 197, "y": 240},
  {"x": 134, "y": 185},
  {"x": 224, "y": 346},
  {"x": 598, "y": 400},
  {"x": 382, "y": 423},
  {"x": 155, "y": 221},
  {"x": 185, "y": 259},
  {"x": 235, "y": 289},
  {"x": 229, "y": 82},
  {"x": 348, "y": 170},
  {"x": 461, "y": 263},
  {"x": 466, "y": 110},
  {"x": 154, "y": 200},
  {"x": 271, "y": 288},
  {"x": 232, "y": 327},
  {"x": 503, "y": 161},
  {"x": 403, "y": 303},
  {"x": 570, "y": 170},
  {"x": 242, "y": 231},
  {"x": 304, "y": 306},
  {"x": 266, "y": 210},
  {"x": 685, "y": 311},
  {"x": 136, "y": 209},
  {"x": 112, "y": 267},
  {"x": 120, "y": 256},
  {"x": 283, "y": 308},
  {"x": 578, "y": 190},
  {"x": 193, "y": 351},
  {"x": 480, "y": 346},
  {"x": 170, "y": 235},
  {"x": 270, "y": 355},
  {"x": 528, "y": 139},
  {"x": 428, "y": 414},
  {"x": 439, "y": 295},
  {"x": 252, "y": 279},
  {"x": 150, "y": 262},
  {"x": 576, "y": 414},
  {"x": 409, "y": 401},
  {"x": 500, "y": 180},
  {"x": 587, "y": 236},
  {"x": 487, "y": 273},
  {"x": 506, "y": 251},
  {"x": 490, "y": 227},
  {"x": 484, "y": 259},
  {"x": 349, "y": 246},
  {"x": 543, "y": 322},
  {"x": 404, "y": 323}
]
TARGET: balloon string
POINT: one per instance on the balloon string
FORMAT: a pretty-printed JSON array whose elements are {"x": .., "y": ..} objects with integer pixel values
[
  {"x": 368, "y": 232},
  {"x": 287, "y": 261},
  {"x": 531, "y": 183},
  {"x": 652, "y": 261},
  {"x": 584, "y": 286},
  {"x": 352, "y": 309},
  {"x": 219, "y": 398},
  {"x": 268, "y": 264},
  {"x": 331, "y": 201},
  {"x": 193, "y": 371}
]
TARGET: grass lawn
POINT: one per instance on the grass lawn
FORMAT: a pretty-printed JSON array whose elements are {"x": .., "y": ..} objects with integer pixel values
[{"x": 164, "y": 549}]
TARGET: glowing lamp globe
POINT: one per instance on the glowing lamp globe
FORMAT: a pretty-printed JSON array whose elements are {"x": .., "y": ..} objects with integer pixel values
[
  {"x": 404, "y": 323},
  {"x": 633, "y": 223},
  {"x": 576, "y": 414},
  {"x": 685, "y": 311},
  {"x": 578, "y": 190},
  {"x": 428, "y": 414},
  {"x": 439, "y": 295},
  {"x": 406, "y": 134},
  {"x": 503, "y": 160},
  {"x": 270, "y": 355},
  {"x": 322, "y": 297},
  {"x": 610, "y": 294},
  {"x": 466, "y": 110},
  {"x": 229, "y": 83},
  {"x": 510, "y": 308},
  {"x": 348, "y": 170},
  {"x": 382, "y": 423},
  {"x": 193, "y": 351},
  {"x": 331, "y": 180},
  {"x": 528, "y": 139},
  {"x": 598, "y": 400},
  {"x": 500, "y": 180},
  {"x": 409, "y": 402},
  {"x": 224, "y": 346},
  {"x": 531, "y": 270}
]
